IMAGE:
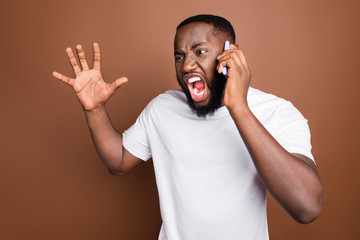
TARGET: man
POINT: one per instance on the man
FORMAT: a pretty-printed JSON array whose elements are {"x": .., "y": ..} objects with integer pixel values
[{"x": 217, "y": 145}]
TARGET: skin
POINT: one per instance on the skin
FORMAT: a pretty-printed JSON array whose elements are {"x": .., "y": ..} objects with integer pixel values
[{"x": 291, "y": 178}]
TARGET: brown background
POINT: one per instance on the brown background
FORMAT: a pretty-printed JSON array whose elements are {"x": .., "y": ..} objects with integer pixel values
[{"x": 53, "y": 185}]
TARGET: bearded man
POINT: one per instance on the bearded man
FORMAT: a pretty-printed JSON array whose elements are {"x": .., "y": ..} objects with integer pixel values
[{"x": 217, "y": 145}]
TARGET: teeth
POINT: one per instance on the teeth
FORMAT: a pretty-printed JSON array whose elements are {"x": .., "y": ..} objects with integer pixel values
[
  {"x": 198, "y": 93},
  {"x": 193, "y": 79}
]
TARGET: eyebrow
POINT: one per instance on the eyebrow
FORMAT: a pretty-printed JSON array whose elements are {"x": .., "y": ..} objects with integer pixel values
[{"x": 195, "y": 45}]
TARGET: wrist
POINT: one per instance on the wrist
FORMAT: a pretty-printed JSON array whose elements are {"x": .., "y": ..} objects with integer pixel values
[
  {"x": 95, "y": 110},
  {"x": 239, "y": 105},
  {"x": 239, "y": 109}
]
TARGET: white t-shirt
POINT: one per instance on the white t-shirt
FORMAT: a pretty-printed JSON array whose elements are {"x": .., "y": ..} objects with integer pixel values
[{"x": 208, "y": 186}]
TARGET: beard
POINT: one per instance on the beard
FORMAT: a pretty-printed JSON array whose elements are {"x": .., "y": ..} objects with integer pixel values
[{"x": 216, "y": 86}]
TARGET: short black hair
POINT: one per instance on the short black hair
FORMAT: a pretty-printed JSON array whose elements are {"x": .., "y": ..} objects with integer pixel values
[{"x": 219, "y": 23}]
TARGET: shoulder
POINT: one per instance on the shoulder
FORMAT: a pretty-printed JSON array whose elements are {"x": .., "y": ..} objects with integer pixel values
[
  {"x": 258, "y": 98},
  {"x": 269, "y": 107},
  {"x": 283, "y": 120},
  {"x": 267, "y": 101}
]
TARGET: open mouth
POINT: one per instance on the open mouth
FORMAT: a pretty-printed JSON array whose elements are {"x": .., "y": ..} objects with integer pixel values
[{"x": 197, "y": 87}]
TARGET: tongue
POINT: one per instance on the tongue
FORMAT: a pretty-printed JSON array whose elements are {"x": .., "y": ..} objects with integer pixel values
[{"x": 199, "y": 85}]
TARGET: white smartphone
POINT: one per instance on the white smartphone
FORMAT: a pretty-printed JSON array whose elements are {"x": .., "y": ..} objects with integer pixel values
[{"x": 225, "y": 69}]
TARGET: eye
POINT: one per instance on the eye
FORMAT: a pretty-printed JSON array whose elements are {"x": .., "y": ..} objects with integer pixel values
[
  {"x": 200, "y": 52},
  {"x": 177, "y": 58}
]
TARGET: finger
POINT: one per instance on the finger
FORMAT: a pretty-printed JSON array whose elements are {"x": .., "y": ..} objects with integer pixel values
[
  {"x": 65, "y": 79},
  {"x": 117, "y": 83},
  {"x": 240, "y": 53},
  {"x": 232, "y": 62},
  {"x": 220, "y": 67},
  {"x": 222, "y": 64},
  {"x": 81, "y": 54},
  {"x": 234, "y": 56},
  {"x": 73, "y": 61},
  {"x": 223, "y": 54},
  {"x": 233, "y": 46},
  {"x": 96, "y": 49},
  {"x": 226, "y": 52},
  {"x": 229, "y": 60},
  {"x": 243, "y": 59}
]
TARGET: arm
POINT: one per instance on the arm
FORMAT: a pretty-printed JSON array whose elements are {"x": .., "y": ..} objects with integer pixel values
[
  {"x": 292, "y": 179},
  {"x": 93, "y": 92}
]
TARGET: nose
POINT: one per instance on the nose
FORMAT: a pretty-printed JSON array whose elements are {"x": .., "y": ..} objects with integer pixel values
[{"x": 189, "y": 64}]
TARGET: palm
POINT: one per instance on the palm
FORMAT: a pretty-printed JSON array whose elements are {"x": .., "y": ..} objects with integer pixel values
[
  {"x": 91, "y": 89},
  {"x": 89, "y": 85}
]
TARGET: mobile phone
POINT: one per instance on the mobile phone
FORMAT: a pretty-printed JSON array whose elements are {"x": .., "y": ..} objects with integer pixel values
[{"x": 225, "y": 69}]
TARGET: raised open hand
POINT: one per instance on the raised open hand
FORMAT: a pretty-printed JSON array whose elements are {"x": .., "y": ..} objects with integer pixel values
[{"x": 89, "y": 85}]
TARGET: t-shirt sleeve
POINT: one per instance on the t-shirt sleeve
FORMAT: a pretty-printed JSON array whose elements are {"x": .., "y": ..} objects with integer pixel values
[
  {"x": 135, "y": 139},
  {"x": 291, "y": 130}
]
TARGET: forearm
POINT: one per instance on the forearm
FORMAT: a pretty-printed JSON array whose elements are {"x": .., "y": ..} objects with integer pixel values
[
  {"x": 293, "y": 182},
  {"x": 107, "y": 140}
]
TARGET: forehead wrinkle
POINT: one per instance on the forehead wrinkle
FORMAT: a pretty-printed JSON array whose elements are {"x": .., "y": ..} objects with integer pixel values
[{"x": 197, "y": 44}]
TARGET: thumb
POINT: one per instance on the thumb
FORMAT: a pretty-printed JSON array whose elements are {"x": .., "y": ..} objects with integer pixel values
[{"x": 117, "y": 83}]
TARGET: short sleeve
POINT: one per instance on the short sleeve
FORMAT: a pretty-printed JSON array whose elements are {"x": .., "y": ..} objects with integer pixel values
[
  {"x": 135, "y": 139},
  {"x": 291, "y": 130}
]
